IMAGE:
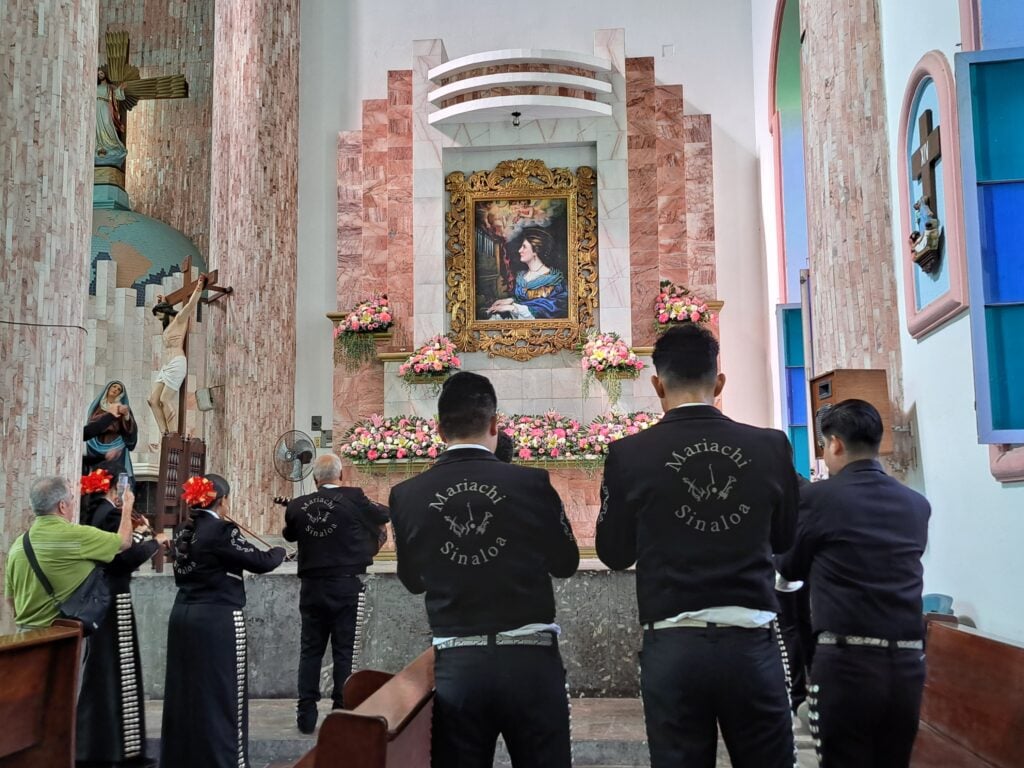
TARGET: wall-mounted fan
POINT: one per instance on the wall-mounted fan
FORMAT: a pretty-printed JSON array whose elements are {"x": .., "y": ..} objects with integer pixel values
[{"x": 293, "y": 455}]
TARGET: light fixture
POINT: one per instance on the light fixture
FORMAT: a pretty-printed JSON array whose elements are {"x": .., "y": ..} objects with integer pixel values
[{"x": 515, "y": 118}]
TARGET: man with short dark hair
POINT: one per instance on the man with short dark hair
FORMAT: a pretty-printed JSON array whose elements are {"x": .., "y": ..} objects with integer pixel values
[
  {"x": 860, "y": 541},
  {"x": 66, "y": 552},
  {"x": 337, "y": 529},
  {"x": 700, "y": 502},
  {"x": 482, "y": 539}
]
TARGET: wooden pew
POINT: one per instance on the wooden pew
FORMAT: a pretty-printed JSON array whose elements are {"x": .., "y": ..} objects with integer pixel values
[
  {"x": 972, "y": 715},
  {"x": 39, "y": 673},
  {"x": 388, "y": 725}
]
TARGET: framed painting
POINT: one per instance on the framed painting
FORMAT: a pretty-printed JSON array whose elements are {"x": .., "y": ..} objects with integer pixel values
[{"x": 522, "y": 258}]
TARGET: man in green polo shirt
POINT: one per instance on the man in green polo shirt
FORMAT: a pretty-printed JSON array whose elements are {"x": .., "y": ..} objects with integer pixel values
[{"x": 66, "y": 552}]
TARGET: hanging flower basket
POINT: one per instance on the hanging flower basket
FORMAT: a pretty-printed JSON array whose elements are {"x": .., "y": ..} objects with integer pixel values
[
  {"x": 431, "y": 364},
  {"x": 609, "y": 360},
  {"x": 676, "y": 305},
  {"x": 357, "y": 333}
]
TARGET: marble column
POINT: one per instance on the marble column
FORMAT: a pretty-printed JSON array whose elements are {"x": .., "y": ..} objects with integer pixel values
[
  {"x": 47, "y": 130},
  {"x": 253, "y": 242}
]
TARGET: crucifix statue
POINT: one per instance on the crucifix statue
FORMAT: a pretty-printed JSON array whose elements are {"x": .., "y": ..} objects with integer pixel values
[
  {"x": 925, "y": 240},
  {"x": 167, "y": 399},
  {"x": 118, "y": 89}
]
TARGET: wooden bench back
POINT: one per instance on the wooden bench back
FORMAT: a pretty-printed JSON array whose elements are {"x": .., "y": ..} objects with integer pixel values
[
  {"x": 389, "y": 726},
  {"x": 39, "y": 671},
  {"x": 974, "y": 692}
]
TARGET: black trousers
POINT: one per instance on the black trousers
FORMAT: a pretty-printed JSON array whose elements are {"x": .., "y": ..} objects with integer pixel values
[
  {"x": 696, "y": 680},
  {"x": 518, "y": 691},
  {"x": 795, "y": 623},
  {"x": 865, "y": 705},
  {"x": 329, "y": 610}
]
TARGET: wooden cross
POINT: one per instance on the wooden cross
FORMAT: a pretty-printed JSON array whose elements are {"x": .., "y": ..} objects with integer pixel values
[
  {"x": 135, "y": 88},
  {"x": 922, "y": 165},
  {"x": 183, "y": 294}
]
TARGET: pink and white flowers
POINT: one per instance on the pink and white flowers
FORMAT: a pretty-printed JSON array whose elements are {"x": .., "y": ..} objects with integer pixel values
[
  {"x": 370, "y": 316},
  {"x": 675, "y": 304},
  {"x": 385, "y": 438},
  {"x": 435, "y": 358},
  {"x": 608, "y": 352},
  {"x": 545, "y": 437}
]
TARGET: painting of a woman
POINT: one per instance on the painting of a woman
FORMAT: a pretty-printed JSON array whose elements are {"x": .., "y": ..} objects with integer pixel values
[
  {"x": 541, "y": 290},
  {"x": 111, "y": 432}
]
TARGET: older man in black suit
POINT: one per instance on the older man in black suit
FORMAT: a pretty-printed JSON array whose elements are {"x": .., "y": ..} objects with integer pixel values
[
  {"x": 700, "y": 502},
  {"x": 860, "y": 541},
  {"x": 482, "y": 539}
]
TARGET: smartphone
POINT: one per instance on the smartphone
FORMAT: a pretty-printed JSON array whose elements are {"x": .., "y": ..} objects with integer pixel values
[{"x": 122, "y": 484}]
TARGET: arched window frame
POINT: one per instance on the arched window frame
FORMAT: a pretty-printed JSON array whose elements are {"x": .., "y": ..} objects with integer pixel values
[{"x": 920, "y": 322}]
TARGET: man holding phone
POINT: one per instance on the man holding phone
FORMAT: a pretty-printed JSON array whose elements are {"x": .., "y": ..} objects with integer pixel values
[{"x": 67, "y": 553}]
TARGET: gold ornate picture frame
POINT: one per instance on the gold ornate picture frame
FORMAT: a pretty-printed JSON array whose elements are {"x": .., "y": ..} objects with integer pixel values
[{"x": 521, "y": 267}]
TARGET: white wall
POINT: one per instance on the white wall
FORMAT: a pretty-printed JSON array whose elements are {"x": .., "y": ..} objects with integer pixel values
[
  {"x": 762, "y": 15},
  {"x": 346, "y": 49},
  {"x": 977, "y": 524}
]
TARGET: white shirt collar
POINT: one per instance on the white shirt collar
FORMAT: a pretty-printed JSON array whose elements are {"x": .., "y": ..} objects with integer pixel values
[
  {"x": 688, "y": 405},
  {"x": 458, "y": 446},
  {"x": 211, "y": 512}
]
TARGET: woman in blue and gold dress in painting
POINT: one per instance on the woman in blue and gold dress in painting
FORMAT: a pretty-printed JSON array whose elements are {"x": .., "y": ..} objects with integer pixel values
[{"x": 541, "y": 291}]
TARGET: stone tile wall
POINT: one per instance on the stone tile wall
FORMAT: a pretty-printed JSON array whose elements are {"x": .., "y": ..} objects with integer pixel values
[
  {"x": 47, "y": 134},
  {"x": 253, "y": 243},
  {"x": 854, "y": 295}
]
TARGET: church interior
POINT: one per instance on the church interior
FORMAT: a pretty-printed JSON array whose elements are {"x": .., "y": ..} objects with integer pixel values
[{"x": 830, "y": 186}]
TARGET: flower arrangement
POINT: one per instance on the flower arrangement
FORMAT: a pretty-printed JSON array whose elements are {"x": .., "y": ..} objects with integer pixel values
[
  {"x": 549, "y": 436},
  {"x": 198, "y": 491},
  {"x": 546, "y": 437},
  {"x": 614, "y": 426},
  {"x": 607, "y": 358},
  {"x": 432, "y": 363},
  {"x": 97, "y": 481},
  {"x": 675, "y": 304},
  {"x": 384, "y": 438},
  {"x": 354, "y": 334}
]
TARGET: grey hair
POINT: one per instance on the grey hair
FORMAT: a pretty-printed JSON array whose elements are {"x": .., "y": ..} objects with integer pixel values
[
  {"x": 46, "y": 493},
  {"x": 326, "y": 468}
]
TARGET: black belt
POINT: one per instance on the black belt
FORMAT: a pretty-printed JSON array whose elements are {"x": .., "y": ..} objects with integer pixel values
[
  {"x": 477, "y": 641},
  {"x": 840, "y": 641}
]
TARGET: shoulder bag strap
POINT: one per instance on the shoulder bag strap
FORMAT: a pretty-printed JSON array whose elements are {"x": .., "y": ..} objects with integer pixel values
[{"x": 31, "y": 555}]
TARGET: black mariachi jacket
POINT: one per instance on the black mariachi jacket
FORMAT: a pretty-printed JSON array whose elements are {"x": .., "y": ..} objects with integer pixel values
[
  {"x": 699, "y": 502},
  {"x": 860, "y": 541},
  {"x": 336, "y": 529},
  {"x": 119, "y": 571},
  {"x": 211, "y": 571},
  {"x": 482, "y": 539}
]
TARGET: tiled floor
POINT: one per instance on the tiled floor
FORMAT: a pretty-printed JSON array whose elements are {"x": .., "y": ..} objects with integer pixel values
[{"x": 607, "y": 733}]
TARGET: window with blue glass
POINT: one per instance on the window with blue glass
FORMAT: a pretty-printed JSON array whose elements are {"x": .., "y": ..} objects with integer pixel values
[
  {"x": 992, "y": 116},
  {"x": 791, "y": 336}
]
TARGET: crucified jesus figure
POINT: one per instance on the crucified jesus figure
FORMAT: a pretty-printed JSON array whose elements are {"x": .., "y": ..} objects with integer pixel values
[{"x": 163, "y": 399}]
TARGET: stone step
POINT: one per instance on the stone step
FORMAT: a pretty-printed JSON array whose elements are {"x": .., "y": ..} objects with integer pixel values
[{"x": 607, "y": 733}]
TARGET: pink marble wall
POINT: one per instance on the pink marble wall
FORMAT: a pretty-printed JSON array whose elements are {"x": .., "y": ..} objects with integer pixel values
[
  {"x": 399, "y": 180},
  {"x": 167, "y": 175},
  {"x": 641, "y": 140},
  {"x": 700, "y": 207},
  {"x": 671, "y": 195},
  {"x": 854, "y": 297},
  {"x": 253, "y": 244},
  {"x": 670, "y": 155},
  {"x": 48, "y": 130}
]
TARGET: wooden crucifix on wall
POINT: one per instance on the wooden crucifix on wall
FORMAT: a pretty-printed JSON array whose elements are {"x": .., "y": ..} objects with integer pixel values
[
  {"x": 167, "y": 399},
  {"x": 925, "y": 240}
]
